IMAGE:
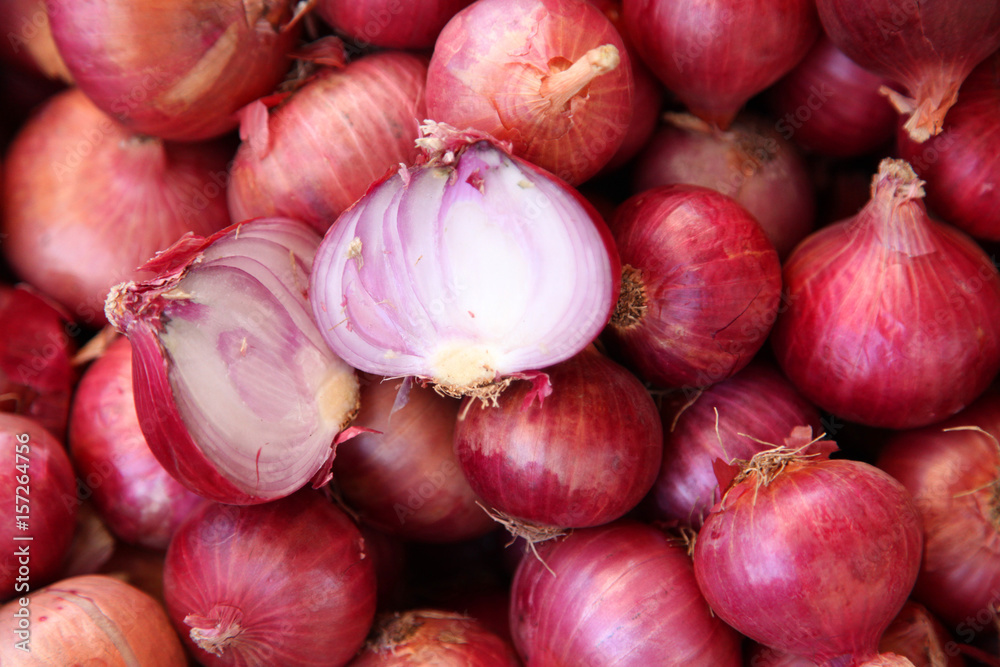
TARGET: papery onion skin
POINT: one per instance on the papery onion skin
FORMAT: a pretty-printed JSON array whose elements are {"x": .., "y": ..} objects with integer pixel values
[
  {"x": 174, "y": 69},
  {"x": 891, "y": 317},
  {"x": 962, "y": 164},
  {"x": 491, "y": 70},
  {"x": 732, "y": 419},
  {"x": 749, "y": 162},
  {"x": 398, "y": 291},
  {"x": 397, "y": 24},
  {"x": 237, "y": 395},
  {"x": 328, "y": 142},
  {"x": 831, "y": 105},
  {"x": 700, "y": 289},
  {"x": 583, "y": 457},
  {"x": 432, "y": 637},
  {"x": 137, "y": 498},
  {"x": 927, "y": 47},
  {"x": 93, "y": 619},
  {"x": 954, "y": 478},
  {"x": 283, "y": 583},
  {"x": 86, "y": 201},
  {"x": 815, "y": 559},
  {"x": 36, "y": 376},
  {"x": 29, "y": 43},
  {"x": 622, "y": 594},
  {"x": 404, "y": 478},
  {"x": 37, "y": 478},
  {"x": 716, "y": 56}
]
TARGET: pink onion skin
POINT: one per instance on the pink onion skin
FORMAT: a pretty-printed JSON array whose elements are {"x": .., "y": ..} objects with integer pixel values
[
  {"x": 584, "y": 457},
  {"x": 36, "y": 375},
  {"x": 490, "y": 66},
  {"x": 962, "y": 164},
  {"x": 928, "y": 48},
  {"x": 404, "y": 479},
  {"x": 292, "y": 573},
  {"x": 137, "y": 498},
  {"x": 817, "y": 562},
  {"x": 622, "y": 594},
  {"x": 47, "y": 504},
  {"x": 750, "y": 162},
  {"x": 87, "y": 201},
  {"x": 716, "y": 56},
  {"x": 395, "y": 24},
  {"x": 29, "y": 43},
  {"x": 758, "y": 401},
  {"x": 831, "y": 105},
  {"x": 892, "y": 317},
  {"x": 954, "y": 478},
  {"x": 432, "y": 637},
  {"x": 174, "y": 69},
  {"x": 700, "y": 289},
  {"x": 327, "y": 143}
]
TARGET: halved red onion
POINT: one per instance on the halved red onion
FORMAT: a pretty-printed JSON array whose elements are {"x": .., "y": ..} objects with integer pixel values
[
  {"x": 622, "y": 594},
  {"x": 715, "y": 56},
  {"x": 87, "y": 201},
  {"x": 397, "y": 24},
  {"x": 927, "y": 47},
  {"x": 317, "y": 152},
  {"x": 552, "y": 77},
  {"x": 892, "y": 318},
  {"x": 465, "y": 269},
  {"x": 137, "y": 498},
  {"x": 749, "y": 162},
  {"x": 701, "y": 286},
  {"x": 237, "y": 394},
  {"x": 176, "y": 69}
]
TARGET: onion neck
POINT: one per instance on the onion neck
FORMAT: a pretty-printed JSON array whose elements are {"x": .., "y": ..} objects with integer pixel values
[
  {"x": 560, "y": 87},
  {"x": 218, "y": 630},
  {"x": 632, "y": 303},
  {"x": 934, "y": 96}
]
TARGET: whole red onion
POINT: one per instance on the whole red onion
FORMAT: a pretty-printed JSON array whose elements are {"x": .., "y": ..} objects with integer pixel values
[
  {"x": 622, "y": 594},
  {"x": 319, "y": 150},
  {"x": 36, "y": 375},
  {"x": 399, "y": 24},
  {"x": 283, "y": 583},
  {"x": 552, "y": 77},
  {"x": 39, "y": 516},
  {"x": 701, "y": 286},
  {"x": 810, "y": 555},
  {"x": 137, "y": 498},
  {"x": 892, "y": 317},
  {"x": 831, "y": 105},
  {"x": 404, "y": 478},
  {"x": 928, "y": 47},
  {"x": 87, "y": 201},
  {"x": 962, "y": 164},
  {"x": 715, "y": 56},
  {"x": 174, "y": 69},
  {"x": 583, "y": 456},
  {"x": 954, "y": 477},
  {"x": 749, "y": 162},
  {"x": 732, "y": 419}
]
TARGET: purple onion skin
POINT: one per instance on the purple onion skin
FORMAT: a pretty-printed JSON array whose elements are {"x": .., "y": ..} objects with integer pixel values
[{"x": 622, "y": 595}]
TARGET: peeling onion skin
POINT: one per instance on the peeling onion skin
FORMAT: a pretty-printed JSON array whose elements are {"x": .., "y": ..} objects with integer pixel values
[
  {"x": 283, "y": 583},
  {"x": 330, "y": 140},
  {"x": 584, "y": 457},
  {"x": 622, "y": 595},
  {"x": 817, "y": 562},
  {"x": 700, "y": 289},
  {"x": 717, "y": 55},
  {"x": 954, "y": 478},
  {"x": 394, "y": 24},
  {"x": 92, "y": 619},
  {"x": 891, "y": 317},
  {"x": 962, "y": 164},
  {"x": 489, "y": 71},
  {"x": 174, "y": 69}
]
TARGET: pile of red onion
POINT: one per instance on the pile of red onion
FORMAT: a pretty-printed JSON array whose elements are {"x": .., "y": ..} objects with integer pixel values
[{"x": 500, "y": 332}]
